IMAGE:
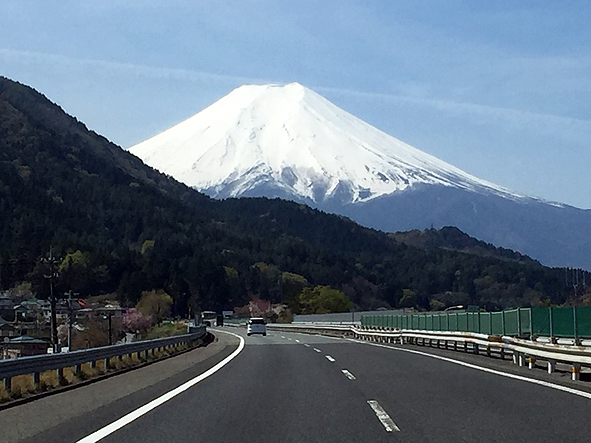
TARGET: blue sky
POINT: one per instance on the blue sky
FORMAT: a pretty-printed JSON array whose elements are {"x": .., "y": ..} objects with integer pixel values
[{"x": 501, "y": 89}]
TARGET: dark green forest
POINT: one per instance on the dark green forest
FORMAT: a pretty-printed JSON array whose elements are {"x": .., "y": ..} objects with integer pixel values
[{"x": 118, "y": 227}]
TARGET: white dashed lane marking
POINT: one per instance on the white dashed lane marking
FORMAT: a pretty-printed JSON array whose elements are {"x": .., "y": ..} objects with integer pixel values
[
  {"x": 348, "y": 374},
  {"x": 329, "y": 358},
  {"x": 317, "y": 350},
  {"x": 383, "y": 416}
]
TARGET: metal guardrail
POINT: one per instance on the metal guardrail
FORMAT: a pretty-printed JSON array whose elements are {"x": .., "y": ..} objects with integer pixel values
[
  {"x": 524, "y": 352},
  {"x": 38, "y": 364}
]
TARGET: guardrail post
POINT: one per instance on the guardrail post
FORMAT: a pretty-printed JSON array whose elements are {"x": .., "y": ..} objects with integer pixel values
[
  {"x": 531, "y": 363},
  {"x": 107, "y": 365},
  {"x": 7, "y": 384},
  {"x": 36, "y": 378},
  {"x": 551, "y": 366},
  {"x": 60, "y": 374},
  {"x": 77, "y": 368},
  {"x": 518, "y": 322},
  {"x": 521, "y": 359},
  {"x": 576, "y": 371},
  {"x": 93, "y": 364}
]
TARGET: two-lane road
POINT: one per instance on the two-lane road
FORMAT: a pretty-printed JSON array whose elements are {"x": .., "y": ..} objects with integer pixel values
[{"x": 289, "y": 387}]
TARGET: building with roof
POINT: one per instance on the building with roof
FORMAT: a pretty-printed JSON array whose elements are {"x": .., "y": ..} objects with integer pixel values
[
  {"x": 23, "y": 346},
  {"x": 6, "y": 329}
]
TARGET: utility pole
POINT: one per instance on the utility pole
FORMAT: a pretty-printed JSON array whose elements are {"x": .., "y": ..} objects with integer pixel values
[
  {"x": 51, "y": 262},
  {"x": 110, "y": 329},
  {"x": 70, "y": 319},
  {"x": 108, "y": 317}
]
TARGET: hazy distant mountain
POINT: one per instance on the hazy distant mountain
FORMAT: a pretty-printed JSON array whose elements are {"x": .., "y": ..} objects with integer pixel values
[{"x": 289, "y": 142}]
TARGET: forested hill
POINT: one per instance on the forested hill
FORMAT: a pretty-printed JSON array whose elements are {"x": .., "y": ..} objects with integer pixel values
[
  {"x": 451, "y": 238},
  {"x": 120, "y": 227}
]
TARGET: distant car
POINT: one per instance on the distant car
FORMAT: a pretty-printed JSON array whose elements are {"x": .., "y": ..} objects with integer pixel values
[{"x": 256, "y": 325}]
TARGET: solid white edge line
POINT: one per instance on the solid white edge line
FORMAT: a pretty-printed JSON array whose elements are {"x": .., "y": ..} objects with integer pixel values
[
  {"x": 483, "y": 369},
  {"x": 348, "y": 374},
  {"x": 126, "y": 419},
  {"x": 383, "y": 416},
  {"x": 329, "y": 358}
]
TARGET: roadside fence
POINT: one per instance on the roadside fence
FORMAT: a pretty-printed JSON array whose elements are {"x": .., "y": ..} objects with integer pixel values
[{"x": 554, "y": 323}]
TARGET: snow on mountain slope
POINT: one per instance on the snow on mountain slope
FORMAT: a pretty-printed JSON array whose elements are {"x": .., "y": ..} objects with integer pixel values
[{"x": 291, "y": 139}]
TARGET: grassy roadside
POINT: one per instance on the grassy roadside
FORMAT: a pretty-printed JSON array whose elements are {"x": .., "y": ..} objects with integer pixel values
[{"x": 165, "y": 330}]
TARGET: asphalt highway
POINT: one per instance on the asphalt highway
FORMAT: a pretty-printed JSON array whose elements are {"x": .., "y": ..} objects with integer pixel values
[{"x": 289, "y": 387}]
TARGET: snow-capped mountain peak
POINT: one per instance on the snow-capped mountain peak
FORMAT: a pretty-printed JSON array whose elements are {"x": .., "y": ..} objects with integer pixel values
[{"x": 289, "y": 141}]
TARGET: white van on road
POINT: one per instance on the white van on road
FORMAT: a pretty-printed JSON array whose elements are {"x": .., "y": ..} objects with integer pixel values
[{"x": 256, "y": 325}]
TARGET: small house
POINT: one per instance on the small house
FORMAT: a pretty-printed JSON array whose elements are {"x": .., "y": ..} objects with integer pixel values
[{"x": 24, "y": 346}]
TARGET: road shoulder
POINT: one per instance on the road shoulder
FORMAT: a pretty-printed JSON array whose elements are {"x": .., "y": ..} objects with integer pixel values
[{"x": 30, "y": 419}]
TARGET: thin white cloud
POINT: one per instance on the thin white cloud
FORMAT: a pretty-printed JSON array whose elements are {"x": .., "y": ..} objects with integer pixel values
[
  {"x": 509, "y": 115},
  {"x": 119, "y": 68},
  {"x": 514, "y": 117}
]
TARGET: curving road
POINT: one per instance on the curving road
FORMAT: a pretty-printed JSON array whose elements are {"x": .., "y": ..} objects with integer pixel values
[{"x": 289, "y": 387}]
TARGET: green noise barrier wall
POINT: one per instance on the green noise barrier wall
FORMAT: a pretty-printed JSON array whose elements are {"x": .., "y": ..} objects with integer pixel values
[{"x": 571, "y": 322}]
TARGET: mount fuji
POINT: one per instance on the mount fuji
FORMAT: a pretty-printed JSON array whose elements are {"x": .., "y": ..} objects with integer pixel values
[{"x": 287, "y": 141}]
